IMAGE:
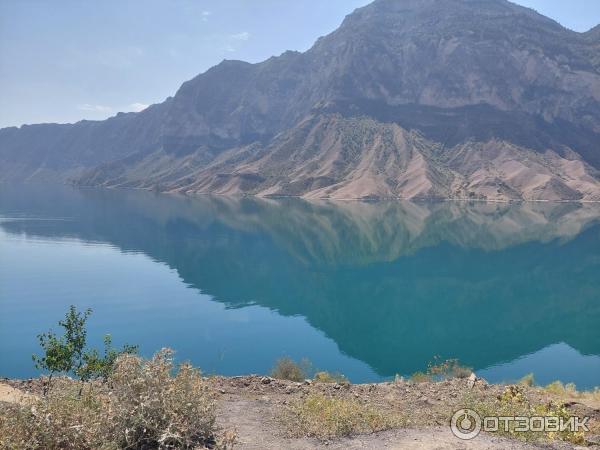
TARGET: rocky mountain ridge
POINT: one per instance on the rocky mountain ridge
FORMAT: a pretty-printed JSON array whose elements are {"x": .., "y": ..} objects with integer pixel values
[{"x": 406, "y": 99}]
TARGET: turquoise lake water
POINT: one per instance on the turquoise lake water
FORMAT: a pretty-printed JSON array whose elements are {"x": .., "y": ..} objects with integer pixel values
[{"x": 366, "y": 289}]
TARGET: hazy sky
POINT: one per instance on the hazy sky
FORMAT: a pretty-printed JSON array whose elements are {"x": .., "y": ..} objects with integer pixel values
[{"x": 66, "y": 60}]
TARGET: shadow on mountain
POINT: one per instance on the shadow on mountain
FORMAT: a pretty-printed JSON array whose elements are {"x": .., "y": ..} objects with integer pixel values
[
  {"x": 480, "y": 123},
  {"x": 392, "y": 283}
]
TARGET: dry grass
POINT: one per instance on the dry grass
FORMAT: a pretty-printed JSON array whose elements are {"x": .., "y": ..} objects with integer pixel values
[
  {"x": 327, "y": 417},
  {"x": 528, "y": 380},
  {"x": 153, "y": 407},
  {"x": 445, "y": 369},
  {"x": 327, "y": 377},
  {"x": 61, "y": 420},
  {"x": 142, "y": 406},
  {"x": 513, "y": 402},
  {"x": 569, "y": 390},
  {"x": 420, "y": 377},
  {"x": 287, "y": 369},
  {"x": 438, "y": 370}
]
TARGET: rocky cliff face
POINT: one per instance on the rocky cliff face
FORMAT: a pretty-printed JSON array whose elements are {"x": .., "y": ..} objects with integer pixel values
[{"x": 408, "y": 98}]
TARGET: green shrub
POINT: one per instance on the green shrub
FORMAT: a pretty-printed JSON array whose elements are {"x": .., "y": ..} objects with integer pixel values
[
  {"x": 64, "y": 354},
  {"x": 101, "y": 366},
  {"x": 67, "y": 354},
  {"x": 287, "y": 369}
]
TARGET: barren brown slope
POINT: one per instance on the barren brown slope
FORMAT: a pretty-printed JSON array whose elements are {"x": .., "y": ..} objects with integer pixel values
[{"x": 330, "y": 156}]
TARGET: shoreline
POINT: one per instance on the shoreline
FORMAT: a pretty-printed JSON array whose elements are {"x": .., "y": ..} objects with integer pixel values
[
  {"x": 308, "y": 199},
  {"x": 258, "y": 409}
]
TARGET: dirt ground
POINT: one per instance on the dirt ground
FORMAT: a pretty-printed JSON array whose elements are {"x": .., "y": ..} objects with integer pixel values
[
  {"x": 253, "y": 406},
  {"x": 10, "y": 394}
]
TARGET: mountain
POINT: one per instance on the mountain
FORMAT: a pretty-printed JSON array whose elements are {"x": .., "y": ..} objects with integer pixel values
[
  {"x": 407, "y": 98},
  {"x": 594, "y": 33}
]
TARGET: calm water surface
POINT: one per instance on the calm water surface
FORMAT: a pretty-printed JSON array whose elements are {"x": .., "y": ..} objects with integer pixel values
[{"x": 367, "y": 289}]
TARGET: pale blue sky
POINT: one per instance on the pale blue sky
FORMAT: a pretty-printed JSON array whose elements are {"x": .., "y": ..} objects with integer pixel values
[{"x": 66, "y": 60}]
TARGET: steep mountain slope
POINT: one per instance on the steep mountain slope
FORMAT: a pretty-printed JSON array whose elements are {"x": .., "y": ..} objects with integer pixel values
[
  {"x": 329, "y": 156},
  {"x": 594, "y": 33},
  {"x": 408, "y": 98},
  {"x": 51, "y": 151}
]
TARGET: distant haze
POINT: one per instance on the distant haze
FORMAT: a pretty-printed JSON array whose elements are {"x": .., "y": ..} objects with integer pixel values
[{"x": 71, "y": 60}]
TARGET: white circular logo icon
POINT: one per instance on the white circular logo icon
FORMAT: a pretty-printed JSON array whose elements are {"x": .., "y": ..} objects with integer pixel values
[{"x": 465, "y": 424}]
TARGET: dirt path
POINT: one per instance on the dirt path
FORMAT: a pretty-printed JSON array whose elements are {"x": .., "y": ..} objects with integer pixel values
[
  {"x": 258, "y": 429},
  {"x": 253, "y": 407}
]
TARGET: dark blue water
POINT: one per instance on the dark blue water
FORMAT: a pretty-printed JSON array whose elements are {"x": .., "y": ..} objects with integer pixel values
[{"x": 367, "y": 289}]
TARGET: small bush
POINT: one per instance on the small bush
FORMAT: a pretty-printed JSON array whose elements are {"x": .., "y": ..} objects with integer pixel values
[
  {"x": 527, "y": 380},
  {"x": 459, "y": 371},
  {"x": 153, "y": 409},
  {"x": 326, "y": 377},
  {"x": 60, "y": 420},
  {"x": 326, "y": 417},
  {"x": 64, "y": 354},
  {"x": 67, "y": 354},
  {"x": 561, "y": 390},
  {"x": 97, "y": 366},
  {"x": 146, "y": 405},
  {"x": 420, "y": 377},
  {"x": 287, "y": 369},
  {"x": 449, "y": 368}
]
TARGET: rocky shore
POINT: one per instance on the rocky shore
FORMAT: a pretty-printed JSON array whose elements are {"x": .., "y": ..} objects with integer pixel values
[{"x": 259, "y": 410}]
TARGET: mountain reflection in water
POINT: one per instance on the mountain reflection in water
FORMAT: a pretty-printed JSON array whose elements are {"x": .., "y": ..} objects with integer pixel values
[{"x": 391, "y": 283}]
